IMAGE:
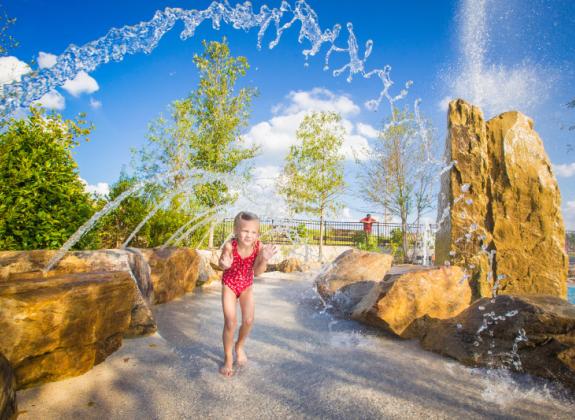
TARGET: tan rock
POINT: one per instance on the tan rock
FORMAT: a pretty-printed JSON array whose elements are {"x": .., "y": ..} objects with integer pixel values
[
  {"x": 8, "y": 406},
  {"x": 207, "y": 273},
  {"x": 350, "y": 267},
  {"x": 61, "y": 326},
  {"x": 14, "y": 263},
  {"x": 533, "y": 334},
  {"x": 289, "y": 265},
  {"x": 503, "y": 200},
  {"x": 411, "y": 293},
  {"x": 174, "y": 271}
]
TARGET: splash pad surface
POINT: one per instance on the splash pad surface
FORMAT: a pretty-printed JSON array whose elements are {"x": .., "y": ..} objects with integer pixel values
[{"x": 303, "y": 364}]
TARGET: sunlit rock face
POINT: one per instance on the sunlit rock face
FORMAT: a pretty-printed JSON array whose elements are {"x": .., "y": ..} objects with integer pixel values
[
  {"x": 8, "y": 407},
  {"x": 350, "y": 267},
  {"x": 61, "y": 326},
  {"x": 410, "y": 293},
  {"x": 499, "y": 206},
  {"x": 174, "y": 271},
  {"x": 289, "y": 265},
  {"x": 131, "y": 261},
  {"x": 533, "y": 334}
]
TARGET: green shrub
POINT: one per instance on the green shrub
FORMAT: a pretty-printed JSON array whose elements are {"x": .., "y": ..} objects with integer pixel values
[{"x": 42, "y": 199}]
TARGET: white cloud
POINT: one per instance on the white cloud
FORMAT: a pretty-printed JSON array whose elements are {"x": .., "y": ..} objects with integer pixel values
[
  {"x": 367, "y": 130},
  {"x": 46, "y": 60},
  {"x": 52, "y": 100},
  {"x": 12, "y": 69},
  {"x": 95, "y": 104},
  {"x": 277, "y": 134},
  {"x": 318, "y": 99},
  {"x": 101, "y": 188},
  {"x": 565, "y": 170},
  {"x": 82, "y": 83},
  {"x": 355, "y": 147}
]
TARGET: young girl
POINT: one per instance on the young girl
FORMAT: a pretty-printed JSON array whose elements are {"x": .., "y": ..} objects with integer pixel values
[{"x": 241, "y": 259}]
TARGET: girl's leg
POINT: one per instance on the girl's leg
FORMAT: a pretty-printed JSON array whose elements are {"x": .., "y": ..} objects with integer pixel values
[
  {"x": 247, "y": 306},
  {"x": 230, "y": 322}
]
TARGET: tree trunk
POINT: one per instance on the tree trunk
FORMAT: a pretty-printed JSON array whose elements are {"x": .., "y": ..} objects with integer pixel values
[
  {"x": 404, "y": 236},
  {"x": 211, "y": 236},
  {"x": 321, "y": 227}
]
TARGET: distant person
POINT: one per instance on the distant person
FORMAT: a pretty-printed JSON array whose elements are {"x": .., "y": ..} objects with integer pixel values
[
  {"x": 241, "y": 259},
  {"x": 367, "y": 221}
]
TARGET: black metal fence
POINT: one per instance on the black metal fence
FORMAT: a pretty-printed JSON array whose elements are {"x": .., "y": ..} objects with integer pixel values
[
  {"x": 570, "y": 242},
  {"x": 289, "y": 231}
]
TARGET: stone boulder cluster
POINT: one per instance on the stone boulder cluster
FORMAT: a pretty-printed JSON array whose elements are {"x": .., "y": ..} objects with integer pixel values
[
  {"x": 61, "y": 323},
  {"x": 497, "y": 297}
]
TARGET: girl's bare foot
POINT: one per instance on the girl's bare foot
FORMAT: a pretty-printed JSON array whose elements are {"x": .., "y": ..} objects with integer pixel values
[
  {"x": 227, "y": 369},
  {"x": 241, "y": 357}
]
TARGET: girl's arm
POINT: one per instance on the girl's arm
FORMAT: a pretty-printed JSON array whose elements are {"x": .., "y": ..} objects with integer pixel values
[
  {"x": 261, "y": 262},
  {"x": 226, "y": 257}
]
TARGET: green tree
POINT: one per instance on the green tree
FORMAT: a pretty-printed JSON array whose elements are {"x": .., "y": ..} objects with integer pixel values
[
  {"x": 312, "y": 177},
  {"x": 7, "y": 41},
  {"x": 116, "y": 226},
  {"x": 42, "y": 200},
  {"x": 204, "y": 129},
  {"x": 398, "y": 177}
]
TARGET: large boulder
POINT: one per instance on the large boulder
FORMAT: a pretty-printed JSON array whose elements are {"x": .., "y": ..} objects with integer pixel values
[
  {"x": 61, "y": 326},
  {"x": 533, "y": 334},
  {"x": 410, "y": 293},
  {"x": 15, "y": 263},
  {"x": 8, "y": 407},
  {"x": 499, "y": 206},
  {"x": 174, "y": 271},
  {"x": 350, "y": 267}
]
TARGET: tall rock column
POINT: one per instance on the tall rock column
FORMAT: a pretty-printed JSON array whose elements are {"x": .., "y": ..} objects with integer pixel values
[{"x": 499, "y": 206}]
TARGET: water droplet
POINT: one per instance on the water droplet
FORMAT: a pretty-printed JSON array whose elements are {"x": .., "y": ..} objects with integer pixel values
[
  {"x": 465, "y": 187},
  {"x": 481, "y": 308}
]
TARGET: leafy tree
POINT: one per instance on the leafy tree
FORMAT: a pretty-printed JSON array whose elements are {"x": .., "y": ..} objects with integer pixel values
[
  {"x": 203, "y": 131},
  {"x": 398, "y": 177},
  {"x": 7, "y": 41},
  {"x": 42, "y": 200},
  {"x": 115, "y": 227},
  {"x": 312, "y": 177}
]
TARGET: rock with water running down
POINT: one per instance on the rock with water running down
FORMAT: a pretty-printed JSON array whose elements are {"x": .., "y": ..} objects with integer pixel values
[
  {"x": 500, "y": 200},
  {"x": 174, "y": 271},
  {"x": 60, "y": 326},
  {"x": 8, "y": 407},
  {"x": 345, "y": 299},
  {"x": 409, "y": 293},
  {"x": 532, "y": 334},
  {"x": 350, "y": 267},
  {"x": 289, "y": 265},
  {"x": 208, "y": 269},
  {"x": 14, "y": 263}
]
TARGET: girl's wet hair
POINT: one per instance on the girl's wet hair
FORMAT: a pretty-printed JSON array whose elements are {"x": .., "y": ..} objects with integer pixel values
[{"x": 244, "y": 215}]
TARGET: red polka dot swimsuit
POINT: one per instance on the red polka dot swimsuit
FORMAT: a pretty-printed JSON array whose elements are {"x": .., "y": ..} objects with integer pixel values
[{"x": 240, "y": 275}]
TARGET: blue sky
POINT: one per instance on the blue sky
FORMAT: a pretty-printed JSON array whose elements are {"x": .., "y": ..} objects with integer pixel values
[{"x": 526, "y": 63}]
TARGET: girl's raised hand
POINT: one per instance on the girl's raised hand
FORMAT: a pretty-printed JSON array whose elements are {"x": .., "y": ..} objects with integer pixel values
[
  {"x": 226, "y": 260},
  {"x": 269, "y": 251}
]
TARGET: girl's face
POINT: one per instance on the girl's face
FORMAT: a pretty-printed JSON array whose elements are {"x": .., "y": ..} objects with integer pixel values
[{"x": 247, "y": 232}]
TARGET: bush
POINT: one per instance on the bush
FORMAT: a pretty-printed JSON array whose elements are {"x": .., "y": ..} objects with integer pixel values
[{"x": 42, "y": 199}]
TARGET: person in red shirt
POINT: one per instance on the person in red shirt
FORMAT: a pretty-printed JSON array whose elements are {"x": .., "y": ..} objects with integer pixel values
[{"x": 367, "y": 221}]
